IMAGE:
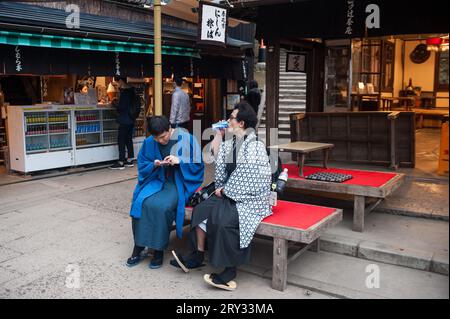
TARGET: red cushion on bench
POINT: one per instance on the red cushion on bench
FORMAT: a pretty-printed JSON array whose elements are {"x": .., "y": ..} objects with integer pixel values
[
  {"x": 363, "y": 178},
  {"x": 297, "y": 215}
]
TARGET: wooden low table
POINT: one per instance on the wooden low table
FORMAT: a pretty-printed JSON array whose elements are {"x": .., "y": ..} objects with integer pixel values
[
  {"x": 304, "y": 148},
  {"x": 363, "y": 185},
  {"x": 388, "y": 101}
]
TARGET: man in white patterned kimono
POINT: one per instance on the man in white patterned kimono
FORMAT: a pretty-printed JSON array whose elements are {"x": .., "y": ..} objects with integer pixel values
[{"x": 229, "y": 218}]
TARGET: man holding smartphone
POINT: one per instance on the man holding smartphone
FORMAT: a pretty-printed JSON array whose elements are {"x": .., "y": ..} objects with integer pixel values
[{"x": 170, "y": 170}]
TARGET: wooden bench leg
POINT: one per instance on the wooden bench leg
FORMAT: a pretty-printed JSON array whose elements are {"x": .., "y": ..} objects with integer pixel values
[
  {"x": 315, "y": 246},
  {"x": 279, "y": 271},
  {"x": 358, "y": 213}
]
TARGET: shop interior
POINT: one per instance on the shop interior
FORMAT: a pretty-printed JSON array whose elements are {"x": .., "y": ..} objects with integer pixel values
[
  {"x": 51, "y": 132},
  {"x": 395, "y": 73}
]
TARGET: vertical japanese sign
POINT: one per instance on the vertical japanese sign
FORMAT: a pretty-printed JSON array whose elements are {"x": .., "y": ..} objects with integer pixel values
[
  {"x": 213, "y": 21},
  {"x": 349, "y": 21},
  {"x": 117, "y": 64},
  {"x": 18, "y": 59}
]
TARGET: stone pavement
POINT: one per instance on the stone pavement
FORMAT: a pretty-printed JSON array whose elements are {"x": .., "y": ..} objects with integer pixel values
[{"x": 82, "y": 220}]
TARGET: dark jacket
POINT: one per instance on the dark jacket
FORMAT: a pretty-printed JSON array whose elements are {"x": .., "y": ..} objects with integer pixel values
[
  {"x": 123, "y": 107},
  {"x": 254, "y": 98}
]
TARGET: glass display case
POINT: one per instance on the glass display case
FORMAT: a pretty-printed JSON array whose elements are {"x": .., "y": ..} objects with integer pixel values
[
  {"x": 59, "y": 131},
  {"x": 110, "y": 128},
  {"x": 88, "y": 128},
  {"x": 47, "y": 137}
]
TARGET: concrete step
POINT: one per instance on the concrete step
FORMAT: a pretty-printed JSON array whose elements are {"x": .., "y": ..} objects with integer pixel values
[
  {"x": 293, "y": 74},
  {"x": 386, "y": 253},
  {"x": 346, "y": 277},
  {"x": 285, "y": 77},
  {"x": 291, "y": 101},
  {"x": 293, "y": 90},
  {"x": 299, "y": 94},
  {"x": 292, "y": 82},
  {"x": 294, "y": 87}
]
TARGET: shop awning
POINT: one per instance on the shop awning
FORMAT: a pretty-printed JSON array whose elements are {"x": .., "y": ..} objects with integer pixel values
[
  {"x": 34, "y": 19},
  {"x": 64, "y": 42}
]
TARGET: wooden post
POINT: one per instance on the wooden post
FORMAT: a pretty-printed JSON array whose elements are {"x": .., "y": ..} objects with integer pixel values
[
  {"x": 315, "y": 246},
  {"x": 158, "y": 60},
  {"x": 279, "y": 271},
  {"x": 393, "y": 139},
  {"x": 358, "y": 213},
  {"x": 272, "y": 86}
]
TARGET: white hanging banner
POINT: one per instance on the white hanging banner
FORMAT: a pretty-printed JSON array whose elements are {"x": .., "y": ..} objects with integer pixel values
[
  {"x": 117, "y": 64},
  {"x": 18, "y": 59},
  {"x": 213, "y": 24}
]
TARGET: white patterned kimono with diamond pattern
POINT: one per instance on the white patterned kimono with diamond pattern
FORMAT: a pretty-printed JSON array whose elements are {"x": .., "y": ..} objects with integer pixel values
[{"x": 249, "y": 184}]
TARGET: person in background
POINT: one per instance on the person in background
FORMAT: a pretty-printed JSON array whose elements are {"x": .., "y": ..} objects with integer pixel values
[
  {"x": 170, "y": 170},
  {"x": 254, "y": 95},
  {"x": 181, "y": 106},
  {"x": 126, "y": 124}
]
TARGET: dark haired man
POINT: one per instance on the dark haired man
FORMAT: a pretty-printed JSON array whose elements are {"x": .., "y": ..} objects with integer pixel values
[
  {"x": 181, "y": 106},
  {"x": 170, "y": 170}
]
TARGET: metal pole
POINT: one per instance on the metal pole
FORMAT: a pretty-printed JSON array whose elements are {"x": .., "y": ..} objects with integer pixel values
[{"x": 158, "y": 61}]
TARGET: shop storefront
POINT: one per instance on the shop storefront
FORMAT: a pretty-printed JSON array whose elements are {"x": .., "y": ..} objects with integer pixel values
[
  {"x": 357, "y": 56},
  {"x": 56, "y": 84}
]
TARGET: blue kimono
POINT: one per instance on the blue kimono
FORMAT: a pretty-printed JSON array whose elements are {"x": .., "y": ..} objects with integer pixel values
[{"x": 162, "y": 193}]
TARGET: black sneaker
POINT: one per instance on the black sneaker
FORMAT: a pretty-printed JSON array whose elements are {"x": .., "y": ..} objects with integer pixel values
[
  {"x": 128, "y": 164},
  {"x": 117, "y": 165},
  {"x": 195, "y": 260}
]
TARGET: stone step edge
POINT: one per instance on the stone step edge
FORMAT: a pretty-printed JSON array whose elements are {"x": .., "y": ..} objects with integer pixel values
[
  {"x": 403, "y": 212},
  {"x": 311, "y": 285},
  {"x": 388, "y": 254}
]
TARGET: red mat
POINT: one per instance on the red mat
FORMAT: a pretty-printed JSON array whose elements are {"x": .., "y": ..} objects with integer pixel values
[
  {"x": 297, "y": 215},
  {"x": 363, "y": 178}
]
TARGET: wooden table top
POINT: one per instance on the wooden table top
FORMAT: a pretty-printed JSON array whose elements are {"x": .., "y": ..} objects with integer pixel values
[{"x": 302, "y": 147}]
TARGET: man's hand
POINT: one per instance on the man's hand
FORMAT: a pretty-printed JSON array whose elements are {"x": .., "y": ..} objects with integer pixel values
[
  {"x": 172, "y": 160},
  {"x": 215, "y": 144},
  {"x": 219, "y": 192},
  {"x": 157, "y": 163}
]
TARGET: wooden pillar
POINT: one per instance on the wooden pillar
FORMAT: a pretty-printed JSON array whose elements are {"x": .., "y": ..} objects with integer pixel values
[
  {"x": 315, "y": 246},
  {"x": 272, "y": 86},
  {"x": 279, "y": 271},
  {"x": 157, "y": 57}
]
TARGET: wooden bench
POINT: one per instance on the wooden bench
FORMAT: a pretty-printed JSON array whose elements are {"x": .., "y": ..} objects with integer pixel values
[
  {"x": 363, "y": 185},
  {"x": 293, "y": 222}
]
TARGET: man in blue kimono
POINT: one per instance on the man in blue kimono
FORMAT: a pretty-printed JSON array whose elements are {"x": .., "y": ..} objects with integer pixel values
[{"x": 170, "y": 170}]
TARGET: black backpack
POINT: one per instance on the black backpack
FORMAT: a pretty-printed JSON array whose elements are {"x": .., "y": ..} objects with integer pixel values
[
  {"x": 275, "y": 163},
  {"x": 135, "y": 107}
]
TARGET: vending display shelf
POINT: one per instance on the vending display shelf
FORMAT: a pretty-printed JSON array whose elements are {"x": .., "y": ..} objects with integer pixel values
[{"x": 88, "y": 136}]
